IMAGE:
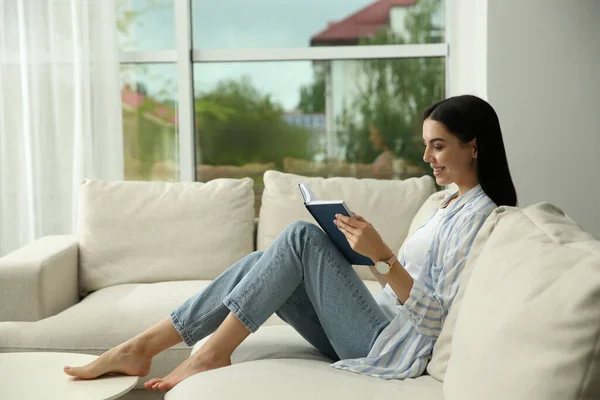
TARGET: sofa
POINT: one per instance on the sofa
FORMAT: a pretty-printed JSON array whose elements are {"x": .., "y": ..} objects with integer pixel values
[{"x": 525, "y": 323}]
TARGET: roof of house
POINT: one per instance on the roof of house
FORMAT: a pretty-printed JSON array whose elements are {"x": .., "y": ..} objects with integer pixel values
[
  {"x": 135, "y": 99},
  {"x": 363, "y": 23}
]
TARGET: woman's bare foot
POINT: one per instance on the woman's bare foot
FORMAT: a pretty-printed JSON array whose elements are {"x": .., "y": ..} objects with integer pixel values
[
  {"x": 126, "y": 359},
  {"x": 199, "y": 362}
]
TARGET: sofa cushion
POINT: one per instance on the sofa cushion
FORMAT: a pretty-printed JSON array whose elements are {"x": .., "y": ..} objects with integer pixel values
[
  {"x": 298, "y": 379},
  {"x": 389, "y": 205},
  {"x": 144, "y": 232},
  {"x": 106, "y": 318},
  {"x": 529, "y": 325},
  {"x": 273, "y": 341},
  {"x": 442, "y": 348}
]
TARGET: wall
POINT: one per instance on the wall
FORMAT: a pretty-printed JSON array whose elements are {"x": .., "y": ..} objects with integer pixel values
[
  {"x": 467, "y": 37},
  {"x": 541, "y": 72}
]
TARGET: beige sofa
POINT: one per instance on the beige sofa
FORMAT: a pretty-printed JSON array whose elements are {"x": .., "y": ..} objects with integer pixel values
[{"x": 525, "y": 323}]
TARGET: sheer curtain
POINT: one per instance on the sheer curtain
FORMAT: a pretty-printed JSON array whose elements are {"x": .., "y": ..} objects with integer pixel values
[{"x": 60, "y": 112}]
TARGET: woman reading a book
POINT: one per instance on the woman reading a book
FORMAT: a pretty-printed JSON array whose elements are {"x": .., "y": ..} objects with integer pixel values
[{"x": 308, "y": 283}]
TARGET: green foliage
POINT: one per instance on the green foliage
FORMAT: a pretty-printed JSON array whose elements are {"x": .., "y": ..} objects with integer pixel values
[
  {"x": 154, "y": 143},
  {"x": 149, "y": 139},
  {"x": 395, "y": 93},
  {"x": 312, "y": 96},
  {"x": 236, "y": 125},
  {"x": 130, "y": 15}
]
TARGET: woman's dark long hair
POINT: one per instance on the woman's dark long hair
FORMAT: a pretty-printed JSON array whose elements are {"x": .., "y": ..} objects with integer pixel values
[{"x": 469, "y": 117}]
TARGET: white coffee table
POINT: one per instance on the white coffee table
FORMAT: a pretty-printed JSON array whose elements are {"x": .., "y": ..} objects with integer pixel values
[{"x": 41, "y": 376}]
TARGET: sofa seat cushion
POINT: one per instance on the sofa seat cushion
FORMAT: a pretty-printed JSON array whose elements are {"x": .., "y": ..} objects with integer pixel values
[
  {"x": 147, "y": 232},
  {"x": 389, "y": 205},
  {"x": 106, "y": 318},
  {"x": 292, "y": 379},
  {"x": 271, "y": 342},
  {"x": 529, "y": 324}
]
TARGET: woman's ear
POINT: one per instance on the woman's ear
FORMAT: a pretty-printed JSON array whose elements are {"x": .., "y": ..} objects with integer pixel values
[{"x": 474, "y": 144}]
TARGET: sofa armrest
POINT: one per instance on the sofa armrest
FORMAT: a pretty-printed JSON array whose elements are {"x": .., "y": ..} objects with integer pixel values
[{"x": 40, "y": 279}]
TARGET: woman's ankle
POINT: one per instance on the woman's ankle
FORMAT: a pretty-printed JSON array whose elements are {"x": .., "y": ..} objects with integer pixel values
[
  {"x": 155, "y": 340},
  {"x": 138, "y": 347},
  {"x": 212, "y": 355}
]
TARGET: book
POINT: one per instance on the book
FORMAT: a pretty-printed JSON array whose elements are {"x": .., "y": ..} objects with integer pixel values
[{"x": 323, "y": 211}]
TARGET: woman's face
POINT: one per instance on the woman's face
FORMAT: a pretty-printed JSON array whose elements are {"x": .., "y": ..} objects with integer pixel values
[{"x": 451, "y": 160}]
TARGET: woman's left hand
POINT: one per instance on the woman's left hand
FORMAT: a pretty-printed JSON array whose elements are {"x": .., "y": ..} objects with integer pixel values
[{"x": 362, "y": 236}]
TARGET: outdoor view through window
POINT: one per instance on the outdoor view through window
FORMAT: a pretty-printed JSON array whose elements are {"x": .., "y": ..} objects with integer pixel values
[{"x": 327, "y": 117}]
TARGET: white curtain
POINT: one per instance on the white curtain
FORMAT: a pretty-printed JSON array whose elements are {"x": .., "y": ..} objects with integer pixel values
[{"x": 60, "y": 112}]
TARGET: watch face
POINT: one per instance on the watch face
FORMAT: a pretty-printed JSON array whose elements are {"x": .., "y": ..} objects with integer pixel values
[{"x": 382, "y": 267}]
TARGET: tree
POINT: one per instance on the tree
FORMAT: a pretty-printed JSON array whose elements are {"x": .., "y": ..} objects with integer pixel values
[
  {"x": 312, "y": 96},
  {"x": 146, "y": 140},
  {"x": 236, "y": 125},
  {"x": 394, "y": 93}
]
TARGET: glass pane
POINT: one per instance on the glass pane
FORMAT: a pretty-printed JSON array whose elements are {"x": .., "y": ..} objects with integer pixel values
[
  {"x": 235, "y": 24},
  {"x": 333, "y": 118},
  {"x": 149, "y": 102},
  {"x": 145, "y": 25}
]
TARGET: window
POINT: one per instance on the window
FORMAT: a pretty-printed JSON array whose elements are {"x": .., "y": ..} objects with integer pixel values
[
  {"x": 263, "y": 24},
  {"x": 150, "y": 135},
  {"x": 223, "y": 88}
]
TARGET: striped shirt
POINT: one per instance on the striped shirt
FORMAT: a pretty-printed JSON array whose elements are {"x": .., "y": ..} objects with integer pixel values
[{"x": 404, "y": 347}]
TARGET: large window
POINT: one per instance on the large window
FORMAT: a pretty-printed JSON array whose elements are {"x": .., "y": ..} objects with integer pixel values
[
  {"x": 150, "y": 136},
  {"x": 223, "y": 88},
  {"x": 259, "y": 24}
]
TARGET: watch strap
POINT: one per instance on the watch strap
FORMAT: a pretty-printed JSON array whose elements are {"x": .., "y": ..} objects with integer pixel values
[{"x": 392, "y": 260}]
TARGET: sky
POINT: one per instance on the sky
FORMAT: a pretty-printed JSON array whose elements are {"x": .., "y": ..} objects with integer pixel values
[{"x": 237, "y": 24}]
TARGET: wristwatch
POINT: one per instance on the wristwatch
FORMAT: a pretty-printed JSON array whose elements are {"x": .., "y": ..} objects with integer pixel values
[{"x": 384, "y": 267}]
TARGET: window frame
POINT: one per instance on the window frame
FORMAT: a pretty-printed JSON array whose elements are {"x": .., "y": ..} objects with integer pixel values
[{"x": 184, "y": 56}]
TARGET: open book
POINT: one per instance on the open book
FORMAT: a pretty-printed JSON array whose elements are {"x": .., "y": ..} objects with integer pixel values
[{"x": 323, "y": 211}]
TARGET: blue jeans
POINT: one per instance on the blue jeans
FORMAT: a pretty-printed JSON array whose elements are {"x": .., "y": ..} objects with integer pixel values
[{"x": 306, "y": 281}]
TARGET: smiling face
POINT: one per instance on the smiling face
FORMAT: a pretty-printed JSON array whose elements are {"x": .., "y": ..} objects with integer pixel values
[{"x": 451, "y": 160}]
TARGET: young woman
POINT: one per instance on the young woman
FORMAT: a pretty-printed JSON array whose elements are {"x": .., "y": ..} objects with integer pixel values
[{"x": 306, "y": 281}]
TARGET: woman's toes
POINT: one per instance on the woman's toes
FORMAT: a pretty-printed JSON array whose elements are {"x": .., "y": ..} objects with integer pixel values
[
  {"x": 119, "y": 360},
  {"x": 80, "y": 372},
  {"x": 152, "y": 383},
  {"x": 164, "y": 386},
  {"x": 148, "y": 385}
]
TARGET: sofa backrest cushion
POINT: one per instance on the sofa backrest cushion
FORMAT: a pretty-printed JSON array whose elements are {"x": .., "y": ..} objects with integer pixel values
[
  {"x": 529, "y": 324},
  {"x": 442, "y": 348},
  {"x": 143, "y": 232},
  {"x": 389, "y": 205}
]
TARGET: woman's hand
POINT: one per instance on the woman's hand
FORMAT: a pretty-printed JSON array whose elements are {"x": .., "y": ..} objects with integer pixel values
[{"x": 362, "y": 237}]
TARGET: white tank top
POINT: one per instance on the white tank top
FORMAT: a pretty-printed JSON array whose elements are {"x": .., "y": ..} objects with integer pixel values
[{"x": 415, "y": 252}]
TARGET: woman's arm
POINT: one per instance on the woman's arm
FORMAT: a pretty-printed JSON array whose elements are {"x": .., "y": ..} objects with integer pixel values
[
  {"x": 425, "y": 305},
  {"x": 379, "y": 278},
  {"x": 428, "y": 306},
  {"x": 399, "y": 279},
  {"x": 364, "y": 239}
]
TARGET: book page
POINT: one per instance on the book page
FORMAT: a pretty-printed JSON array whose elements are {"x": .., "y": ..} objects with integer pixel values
[{"x": 307, "y": 193}]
